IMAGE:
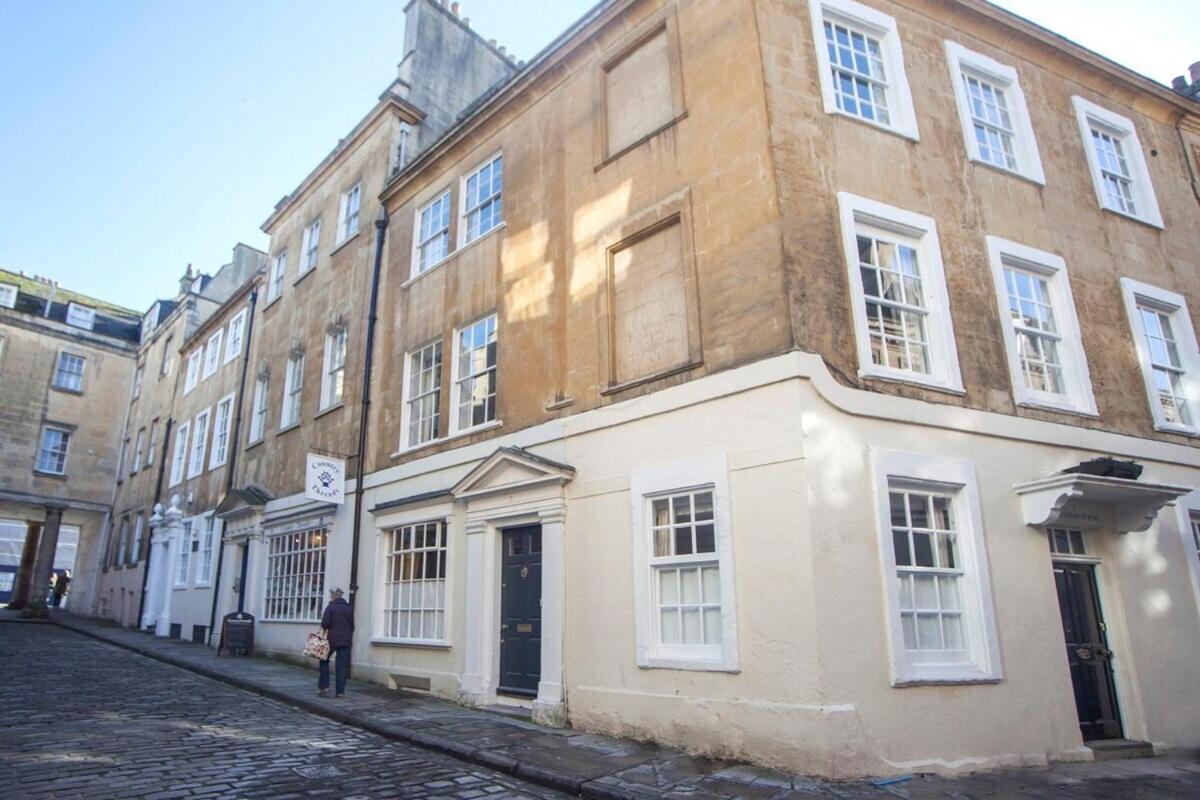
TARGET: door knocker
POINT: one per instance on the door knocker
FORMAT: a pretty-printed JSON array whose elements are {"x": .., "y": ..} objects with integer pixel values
[
  {"x": 524, "y": 573},
  {"x": 1083, "y": 653}
]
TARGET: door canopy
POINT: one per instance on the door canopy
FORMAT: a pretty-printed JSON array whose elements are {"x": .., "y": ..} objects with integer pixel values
[{"x": 1089, "y": 502}]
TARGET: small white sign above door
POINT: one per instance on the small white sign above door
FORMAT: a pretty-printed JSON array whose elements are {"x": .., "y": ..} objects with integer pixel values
[{"x": 325, "y": 479}]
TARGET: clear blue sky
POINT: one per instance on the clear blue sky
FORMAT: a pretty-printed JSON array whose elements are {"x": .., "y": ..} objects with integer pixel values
[{"x": 137, "y": 136}]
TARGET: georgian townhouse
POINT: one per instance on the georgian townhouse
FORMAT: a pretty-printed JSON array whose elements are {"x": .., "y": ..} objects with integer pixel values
[{"x": 65, "y": 366}]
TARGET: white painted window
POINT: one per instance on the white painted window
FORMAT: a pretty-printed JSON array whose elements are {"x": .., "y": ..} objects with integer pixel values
[
  {"x": 414, "y": 598},
  {"x": 293, "y": 387},
  {"x": 135, "y": 554},
  {"x": 1194, "y": 526},
  {"x": 1046, "y": 358},
  {"x": 940, "y": 616},
  {"x": 208, "y": 536},
  {"x": 179, "y": 459},
  {"x": 994, "y": 116},
  {"x": 68, "y": 372},
  {"x": 1118, "y": 166},
  {"x": 167, "y": 357},
  {"x": 900, "y": 306},
  {"x": 192, "y": 376},
  {"x": 138, "y": 446},
  {"x": 183, "y": 572},
  {"x": 861, "y": 65},
  {"x": 278, "y": 270},
  {"x": 1065, "y": 542},
  {"x": 8, "y": 295},
  {"x": 199, "y": 443},
  {"x": 258, "y": 414},
  {"x": 348, "y": 212},
  {"x": 310, "y": 241},
  {"x": 475, "y": 374},
  {"x": 333, "y": 377},
  {"x": 482, "y": 200},
  {"x": 295, "y": 588},
  {"x": 237, "y": 336},
  {"x": 683, "y": 566},
  {"x": 152, "y": 445},
  {"x": 423, "y": 395},
  {"x": 432, "y": 237},
  {"x": 1166, "y": 348},
  {"x": 52, "y": 452},
  {"x": 81, "y": 316},
  {"x": 220, "y": 444},
  {"x": 137, "y": 381},
  {"x": 212, "y": 353}
]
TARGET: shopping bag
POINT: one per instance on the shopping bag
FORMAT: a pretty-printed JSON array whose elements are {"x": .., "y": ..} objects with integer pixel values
[{"x": 317, "y": 646}]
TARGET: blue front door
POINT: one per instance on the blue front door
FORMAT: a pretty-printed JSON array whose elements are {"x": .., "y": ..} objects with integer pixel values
[{"x": 521, "y": 611}]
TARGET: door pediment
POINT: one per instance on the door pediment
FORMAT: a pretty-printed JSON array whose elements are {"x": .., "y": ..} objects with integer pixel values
[{"x": 511, "y": 468}]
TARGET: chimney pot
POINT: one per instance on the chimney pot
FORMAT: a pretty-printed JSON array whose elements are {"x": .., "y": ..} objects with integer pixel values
[
  {"x": 492, "y": 42},
  {"x": 455, "y": 8},
  {"x": 467, "y": 21},
  {"x": 1179, "y": 83},
  {"x": 502, "y": 50},
  {"x": 1194, "y": 69}
]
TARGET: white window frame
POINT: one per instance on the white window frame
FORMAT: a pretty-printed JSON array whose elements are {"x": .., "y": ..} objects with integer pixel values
[
  {"x": 152, "y": 442},
  {"x": 258, "y": 412},
  {"x": 709, "y": 473},
  {"x": 457, "y": 379},
  {"x": 237, "y": 336},
  {"x": 138, "y": 375},
  {"x": 1187, "y": 508},
  {"x": 388, "y": 552},
  {"x": 192, "y": 376},
  {"x": 58, "y": 370},
  {"x": 179, "y": 457},
  {"x": 212, "y": 354},
  {"x": 67, "y": 433},
  {"x": 310, "y": 242},
  {"x": 293, "y": 387},
  {"x": 406, "y": 412},
  {"x": 1025, "y": 150},
  {"x": 903, "y": 118},
  {"x": 1175, "y": 306},
  {"x": 348, "y": 221},
  {"x": 307, "y": 560},
  {"x": 208, "y": 542},
  {"x": 275, "y": 278},
  {"x": 183, "y": 567},
  {"x": 136, "y": 543},
  {"x": 167, "y": 361},
  {"x": 221, "y": 432},
  {"x": 920, "y": 233},
  {"x": 81, "y": 316},
  {"x": 1077, "y": 397},
  {"x": 418, "y": 244},
  {"x": 955, "y": 477},
  {"x": 1088, "y": 114},
  {"x": 8, "y": 295},
  {"x": 200, "y": 428},
  {"x": 138, "y": 448},
  {"x": 464, "y": 212},
  {"x": 330, "y": 368}
]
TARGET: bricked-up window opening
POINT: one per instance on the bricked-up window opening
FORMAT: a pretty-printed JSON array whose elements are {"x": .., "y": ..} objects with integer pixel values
[
  {"x": 295, "y": 581},
  {"x": 929, "y": 572},
  {"x": 686, "y": 575},
  {"x": 1166, "y": 365},
  {"x": 433, "y": 234},
  {"x": 414, "y": 606},
  {"x": 179, "y": 459},
  {"x": 424, "y": 394},
  {"x": 258, "y": 414},
  {"x": 52, "y": 453},
  {"x": 1031, "y": 311},
  {"x": 475, "y": 374},
  {"x": 334, "y": 378},
  {"x": 68, "y": 372},
  {"x": 483, "y": 204},
  {"x": 309, "y": 245},
  {"x": 292, "y": 391},
  {"x": 278, "y": 270},
  {"x": 199, "y": 443},
  {"x": 348, "y": 213},
  {"x": 1064, "y": 542},
  {"x": 639, "y": 98}
]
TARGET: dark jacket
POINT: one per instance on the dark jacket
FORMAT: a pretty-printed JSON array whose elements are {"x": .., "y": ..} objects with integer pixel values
[{"x": 338, "y": 619}]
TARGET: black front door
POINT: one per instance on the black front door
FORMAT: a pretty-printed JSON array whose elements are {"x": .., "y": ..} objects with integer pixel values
[
  {"x": 521, "y": 611},
  {"x": 1087, "y": 651}
]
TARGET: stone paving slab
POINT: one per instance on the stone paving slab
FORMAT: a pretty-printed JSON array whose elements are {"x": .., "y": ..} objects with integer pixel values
[{"x": 594, "y": 766}]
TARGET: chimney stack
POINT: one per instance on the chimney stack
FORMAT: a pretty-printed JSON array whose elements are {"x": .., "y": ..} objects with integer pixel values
[
  {"x": 1194, "y": 69},
  {"x": 455, "y": 8}
]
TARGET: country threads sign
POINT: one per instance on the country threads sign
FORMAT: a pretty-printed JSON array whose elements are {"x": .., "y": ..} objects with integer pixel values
[{"x": 325, "y": 479}]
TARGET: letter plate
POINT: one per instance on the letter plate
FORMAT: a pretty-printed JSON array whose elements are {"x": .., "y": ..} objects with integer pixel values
[{"x": 524, "y": 627}]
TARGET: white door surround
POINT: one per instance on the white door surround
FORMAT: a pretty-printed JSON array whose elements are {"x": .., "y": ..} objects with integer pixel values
[{"x": 509, "y": 488}]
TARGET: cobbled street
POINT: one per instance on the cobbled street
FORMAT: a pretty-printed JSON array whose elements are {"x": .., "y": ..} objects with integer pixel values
[{"x": 83, "y": 719}]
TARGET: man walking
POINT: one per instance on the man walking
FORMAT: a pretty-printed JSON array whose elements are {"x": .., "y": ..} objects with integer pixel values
[{"x": 338, "y": 624}]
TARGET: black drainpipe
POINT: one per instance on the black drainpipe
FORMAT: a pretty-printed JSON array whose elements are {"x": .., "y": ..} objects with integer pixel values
[
  {"x": 234, "y": 445},
  {"x": 162, "y": 466},
  {"x": 380, "y": 235}
]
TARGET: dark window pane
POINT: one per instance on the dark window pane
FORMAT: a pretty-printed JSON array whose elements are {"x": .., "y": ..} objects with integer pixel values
[
  {"x": 923, "y": 548},
  {"x": 1077, "y": 543},
  {"x": 683, "y": 541},
  {"x": 900, "y": 542},
  {"x": 898, "y": 517},
  {"x": 705, "y": 539},
  {"x": 683, "y": 508},
  {"x": 704, "y": 505},
  {"x": 1061, "y": 543},
  {"x": 918, "y": 506}
]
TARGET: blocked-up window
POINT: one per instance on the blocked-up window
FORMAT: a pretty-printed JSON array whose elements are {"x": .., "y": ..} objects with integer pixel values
[
  {"x": 649, "y": 303},
  {"x": 638, "y": 95}
]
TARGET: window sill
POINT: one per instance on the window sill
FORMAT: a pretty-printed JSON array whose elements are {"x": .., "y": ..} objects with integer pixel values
[
  {"x": 419, "y": 645},
  {"x": 487, "y": 426},
  {"x": 193, "y": 477},
  {"x": 212, "y": 467},
  {"x": 273, "y": 301},
  {"x": 666, "y": 373},
  {"x": 304, "y": 275},
  {"x": 904, "y": 133},
  {"x": 1167, "y": 427},
  {"x": 42, "y": 474},
  {"x": 413, "y": 279},
  {"x": 682, "y": 115},
  {"x": 330, "y": 410},
  {"x": 687, "y": 664},
  {"x": 291, "y": 427},
  {"x": 1150, "y": 223},
  {"x": 254, "y": 444},
  {"x": 468, "y": 245},
  {"x": 912, "y": 380},
  {"x": 345, "y": 242},
  {"x": 66, "y": 390},
  {"x": 1043, "y": 405},
  {"x": 947, "y": 680},
  {"x": 1012, "y": 173}
]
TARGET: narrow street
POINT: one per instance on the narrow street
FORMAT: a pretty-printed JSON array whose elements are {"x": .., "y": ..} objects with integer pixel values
[{"x": 83, "y": 719}]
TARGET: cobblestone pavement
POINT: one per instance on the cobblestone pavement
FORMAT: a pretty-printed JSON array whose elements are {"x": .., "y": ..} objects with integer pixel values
[{"x": 82, "y": 719}]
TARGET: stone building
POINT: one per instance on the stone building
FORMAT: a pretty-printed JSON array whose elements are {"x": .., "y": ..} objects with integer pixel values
[{"x": 66, "y": 361}]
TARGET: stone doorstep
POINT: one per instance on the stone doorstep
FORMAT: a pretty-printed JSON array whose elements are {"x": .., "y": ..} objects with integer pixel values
[{"x": 1110, "y": 749}]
